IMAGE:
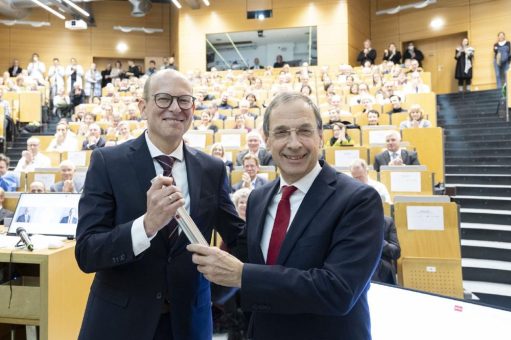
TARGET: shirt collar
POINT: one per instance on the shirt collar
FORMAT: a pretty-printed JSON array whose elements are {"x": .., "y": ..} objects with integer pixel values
[
  {"x": 304, "y": 183},
  {"x": 154, "y": 151}
]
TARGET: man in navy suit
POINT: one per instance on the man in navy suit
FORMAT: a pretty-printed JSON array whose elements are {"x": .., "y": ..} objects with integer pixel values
[
  {"x": 394, "y": 155},
  {"x": 250, "y": 179},
  {"x": 314, "y": 238},
  {"x": 146, "y": 286},
  {"x": 70, "y": 218}
]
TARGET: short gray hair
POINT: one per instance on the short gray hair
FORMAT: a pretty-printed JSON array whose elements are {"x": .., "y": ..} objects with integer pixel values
[
  {"x": 285, "y": 98},
  {"x": 239, "y": 194}
]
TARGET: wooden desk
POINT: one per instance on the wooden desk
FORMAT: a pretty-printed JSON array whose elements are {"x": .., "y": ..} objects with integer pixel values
[{"x": 57, "y": 303}]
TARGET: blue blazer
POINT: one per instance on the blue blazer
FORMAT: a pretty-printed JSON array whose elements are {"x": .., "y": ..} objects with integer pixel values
[
  {"x": 128, "y": 292},
  {"x": 65, "y": 219},
  {"x": 317, "y": 289}
]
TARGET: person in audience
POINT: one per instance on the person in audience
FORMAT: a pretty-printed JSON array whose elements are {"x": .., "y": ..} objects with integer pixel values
[
  {"x": 254, "y": 148},
  {"x": 10, "y": 126},
  {"x": 4, "y": 213},
  {"x": 123, "y": 133},
  {"x": 106, "y": 76},
  {"x": 395, "y": 100},
  {"x": 168, "y": 64},
  {"x": 416, "y": 85},
  {"x": 15, "y": 69},
  {"x": 250, "y": 178},
  {"x": 394, "y": 155},
  {"x": 279, "y": 62},
  {"x": 391, "y": 251},
  {"x": 62, "y": 104},
  {"x": 56, "y": 74},
  {"x": 240, "y": 123},
  {"x": 117, "y": 72},
  {"x": 367, "y": 54},
  {"x": 83, "y": 129},
  {"x": 77, "y": 95},
  {"x": 214, "y": 113},
  {"x": 502, "y": 58},
  {"x": 244, "y": 109},
  {"x": 68, "y": 183},
  {"x": 413, "y": 53},
  {"x": 340, "y": 137},
  {"x": 37, "y": 187},
  {"x": 306, "y": 90},
  {"x": 359, "y": 171},
  {"x": 92, "y": 83},
  {"x": 206, "y": 123},
  {"x": 252, "y": 99},
  {"x": 224, "y": 102},
  {"x": 32, "y": 158},
  {"x": 392, "y": 54},
  {"x": 94, "y": 139},
  {"x": 240, "y": 198},
  {"x": 8, "y": 180},
  {"x": 36, "y": 69},
  {"x": 373, "y": 118},
  {"x": 416, "y": 119},
  {"x": 464, "y": 58},
  {"x": 217, "y": 150},
  {"x": 199, "y": 101},
  {"x": 74, "y": 73},
  {"x": 63, "y": 140},
  {"x": 257, "y": 65},
  {"x": 309, "y": 280},
  {"x": 152, "y": 68},
  {"x": 133, "y": 70}
]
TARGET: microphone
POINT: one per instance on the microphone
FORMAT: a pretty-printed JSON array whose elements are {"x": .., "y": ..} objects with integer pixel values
[{"x": 22, "y": 233}]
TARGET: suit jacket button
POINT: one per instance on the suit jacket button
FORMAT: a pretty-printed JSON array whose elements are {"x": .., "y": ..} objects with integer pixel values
[
  {"x": 169, "y": 260},
  {"x": 159, "y": 295}
]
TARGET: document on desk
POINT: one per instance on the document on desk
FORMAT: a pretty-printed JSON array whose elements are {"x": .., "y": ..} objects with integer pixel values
[
  {"x": 425, "y": 217},
  {"x": 346, "y": 157},
  {"x": 405, "y": 181},
  {"x": 8, "y": 241}
]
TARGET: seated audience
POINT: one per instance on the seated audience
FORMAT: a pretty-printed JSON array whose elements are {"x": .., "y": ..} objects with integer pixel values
[
  {"x": 217, "y": 150},
  {"x": 416, "y": 119},
  {"x": 68, "y": 182},
  {"x": 93, "y": 139},
  {"x": 394, "y": 155},
  {"x": 244, "y": 109},
  {"x": 5, "y": 212},
  {"x": 214, "y": 113},
  {"x": 206, "y": 123},
  {"x": 306, "y": 90},
  {"x": 224, "y": 102},
  {"x": 395, "y": 100},
  {"x": 416, "y": 85},
  {"x": 250, "y": 179},
  {"x": 10, "y": 126},
  {"x": 37, "y": 187},
  {"x": 391, "y": 251},
  {"x": 254, "y": 148},
  {"x": 240, "y": 198},
  {"x": 15, "y": 69},
  {"x": 83, "y": 129},
  {"x": 63, "y": 140},
  {"x": 32, "y": 158},
  {"x": 360, "y": 172},
  {"x": 252, "y": 99},
  {"x": 8, "y": 179},
  {"x": 240, "y": 123},
  {"x": 62, "y": 106},
  {"x": 123, "y": 133},
  {"x": 340, "y": 137},
  {"x": 373, "y": 118}
]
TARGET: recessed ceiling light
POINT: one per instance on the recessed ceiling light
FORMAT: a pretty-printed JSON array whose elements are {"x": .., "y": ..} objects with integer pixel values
[
  {"x": 437, "y": 23},
  {"x": 121, "y": 47}
]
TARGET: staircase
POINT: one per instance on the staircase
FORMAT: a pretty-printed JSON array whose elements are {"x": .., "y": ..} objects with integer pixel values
[{"x": 478, "y": 171}]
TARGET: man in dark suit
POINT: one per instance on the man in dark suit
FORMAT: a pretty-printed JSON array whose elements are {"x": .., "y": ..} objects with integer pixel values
[
  {"x": 146, "y": 286},
  {"x": 394, "y": 155},
  {"x": 386, "y": 271},
  {"x": 25, "y": 217},
  {"x": 254, "y": 147},
  {"x": 70, "y": 218},
  {"x": 250, "y": 178},
  {"x": 314, "y": 238},
  {"x": 68, "y": 183},
  {"x": 4, "y": 212},
  {"x": 94, "y": 139},
  {"x": 15, "y": 69}
]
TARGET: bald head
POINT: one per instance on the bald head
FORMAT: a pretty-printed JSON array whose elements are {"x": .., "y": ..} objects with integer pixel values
[{"x": 168, "y": 74}]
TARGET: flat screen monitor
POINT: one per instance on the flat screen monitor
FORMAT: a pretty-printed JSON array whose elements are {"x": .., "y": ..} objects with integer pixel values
[{"x": 46, "y": 214}]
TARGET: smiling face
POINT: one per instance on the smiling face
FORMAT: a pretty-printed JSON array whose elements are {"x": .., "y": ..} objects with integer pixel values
[
  {"x": 297, "y": 154},
  {"x": 251, "y": 168},
  {"x": 393, "y": 142},
  {"x": 166, "y": 127},
  {"x": 67, "y": 172}
]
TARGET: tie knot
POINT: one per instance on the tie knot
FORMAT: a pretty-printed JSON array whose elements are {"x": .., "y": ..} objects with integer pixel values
[
  {"x": 287, "y": 191},
  {"x": 166, "y": 162}
]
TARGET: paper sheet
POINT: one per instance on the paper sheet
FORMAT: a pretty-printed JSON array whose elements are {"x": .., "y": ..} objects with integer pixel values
[
  {"x": 228, "y": 156},
  {"x": 79, "y": 158},
  {"x": 196, "y": 140},
  {"x": 47, "y": 179},
  {"x": 425, "y": 218},
  {"x": 346, "y": 157},
  {"x": 405, "y": 181},
  {"x": 378, "y": 136},
  {"x": 231, "y": 140}
]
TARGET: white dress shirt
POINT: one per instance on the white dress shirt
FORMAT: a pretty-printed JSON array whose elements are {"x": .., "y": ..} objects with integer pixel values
[
  {"x": 139, "y": 237},
  {"x": 39, "y": 161},
  {"x": 303, "y": 185},
  {"x": 382, "y": 190}
]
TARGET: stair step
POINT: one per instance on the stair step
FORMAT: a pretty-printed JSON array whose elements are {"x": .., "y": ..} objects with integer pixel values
[
  {"x": 481, "y": 190},
  {"x": 490, "y": 216},
  {"x": 490, "y": 144},
  {"x": 454, "y": 152},
  {"x": 484, "y": 290},
  {"x": 480, "y": 138},
  {"x": 495, "y": 179},
  {"x": 480, "y": 160},
  {"x": 458, "y": 125},
  {"x": 483, "y": 202},
  {"x": 489, "y": 169}
]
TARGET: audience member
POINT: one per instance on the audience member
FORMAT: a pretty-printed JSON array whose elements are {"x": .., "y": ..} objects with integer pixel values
[
  {"x": 74, "y": 73},
  {"x": 373, "y": 118},
  {"x": 254, "y": 148},
  {"x": 416, "y": 118},
  {"x": 62, "y": 104},
  {"x": 92, "y": 83},
  {"x": 502, "y": 58},
  {"x": 37, "y": 187},
  {"x": 279, "y": 62},
  {"x": 206, "y": 123},
  {"x": 15, "y": 69},
  {"x": 63, "y": 140},
  {"x": 77, "y": 95},
  {"x": 413, "y": 53},
  {"x": 257, "y": 65},
  {"x": 392, "y": 54},
  {"x": 224, "y": 102},
  {"x": 68, "y": 183},
  {"x": 250, "y": 178},
  {"x": 152, "y": 68},
  {"x": 133, "y": 70},
  {"x": 32, "y": 158},
  {"x": 8, "y": 179},
  {"x": 340, "y": 137},
  {"x": 56, "y": 74},
  {"x": 3, "y": 211},
  {"x": 106, "y": 76},
  {"x": 94, "y": 139},
  {"x": 464, "y": 56},
  {"x": 367, "y": 54},
  {"x": 394, "y": 155},
  {"x": 395, "y": 100},
  {"x": 36, "y": 69},
  {"x": 359, "y": 171},
  {"x": 391, "y": 251},
  {"x": 10, "y": 126},
  {"x": 240, "y": 123},
  {"x": 217, "y": 150},
  {"x": 240, "y": 198},
  {"x": 416, "y": 85},
  {"x": 116, "y": 73}
]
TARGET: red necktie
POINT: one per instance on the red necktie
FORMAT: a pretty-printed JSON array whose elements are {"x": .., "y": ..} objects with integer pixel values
[
  {"x": 167, "y": 163},
  {"x": 278, "y": 233}
]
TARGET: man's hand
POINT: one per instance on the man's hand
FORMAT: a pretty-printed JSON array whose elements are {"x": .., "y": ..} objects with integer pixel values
[
  {"x": 247, "y": 182},
  {"x": 217, "y": 265},
  {"x": 68, "y": 186},
  {"x": 397, "y": 161},
  {"x": 92, "y": 140},
  {"x": 27, "y": 156},
  {"x": 163, "y": 200}
]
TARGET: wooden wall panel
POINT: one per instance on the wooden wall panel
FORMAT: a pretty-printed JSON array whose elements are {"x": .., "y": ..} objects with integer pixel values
[{"x": 359, "y": 28}]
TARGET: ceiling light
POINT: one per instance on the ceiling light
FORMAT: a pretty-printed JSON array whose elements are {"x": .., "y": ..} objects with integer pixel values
[
  {"x": 177, "y": 4},
  {"x": 416, "y": 5},
  {"x": 206, "y": 2},
  {"x": 76, "y": 7},
  {"x": 260, "y": 16},
  {"x": 128, "y": 29},
  {"x": 25, "y": 22},
  {"x": 437, "y": 23},
  {"x": 51, "y": 10},
  {"x": 121, "y": 47}
]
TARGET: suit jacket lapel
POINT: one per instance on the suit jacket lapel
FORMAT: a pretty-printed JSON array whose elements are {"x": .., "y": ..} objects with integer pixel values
[
  {"x": 259, "y": 210},
  {"x": 386, "y": 157},
  {"x": 315, "y": 198}
]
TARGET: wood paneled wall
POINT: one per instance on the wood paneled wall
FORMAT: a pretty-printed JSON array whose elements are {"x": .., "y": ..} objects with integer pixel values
[
  {"x": 55, "y": 41},
  {"x": 359, "y": 28},
  {"x": 482, "y": 19},
  {"x": 330, "y": 17}
]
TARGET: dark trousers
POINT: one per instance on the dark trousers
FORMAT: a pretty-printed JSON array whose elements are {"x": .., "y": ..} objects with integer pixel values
[
  {"x": 464, "y": 81},
  {"x": 164, "y": 329}
]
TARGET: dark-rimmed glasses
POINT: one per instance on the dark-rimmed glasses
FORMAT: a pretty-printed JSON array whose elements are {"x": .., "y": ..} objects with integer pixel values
[{"x": 165, "y": 100}]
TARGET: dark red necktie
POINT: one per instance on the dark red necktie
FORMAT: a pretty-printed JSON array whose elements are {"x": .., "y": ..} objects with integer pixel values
[
  {"x": 167, "y": 162},
  {"x": 278, "y": 233}
]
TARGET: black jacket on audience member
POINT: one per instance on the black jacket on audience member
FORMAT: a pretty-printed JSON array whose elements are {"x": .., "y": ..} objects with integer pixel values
[{"x": 386, "y": 270}]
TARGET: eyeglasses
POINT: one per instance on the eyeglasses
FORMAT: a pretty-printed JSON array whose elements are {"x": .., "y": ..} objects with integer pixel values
[
  {"x": 165, "y": 100},
  {"x": 301, "y": 133}
]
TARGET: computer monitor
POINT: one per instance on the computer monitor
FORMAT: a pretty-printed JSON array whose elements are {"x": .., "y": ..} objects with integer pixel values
[{"x": 46, "y": 214}]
